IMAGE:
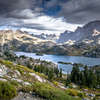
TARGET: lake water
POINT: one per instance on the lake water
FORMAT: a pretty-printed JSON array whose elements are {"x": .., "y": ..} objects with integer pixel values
[{"x": 56, "y": 58}]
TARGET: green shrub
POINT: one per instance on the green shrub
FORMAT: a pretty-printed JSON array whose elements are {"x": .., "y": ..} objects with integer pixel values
[
  {"x": 81, "y": 94},
  {"x": 7, "y": 63},
  {"x": 49, "y": 92},
  {"x": 26, "y": 89},
  {"x": 70, "y": 86},
  {"x": 72, "y": 92},
  {"x": 14, "y": 82},
  {"x": 7, "y": 91},
  {"x": 55, "y": 83}
]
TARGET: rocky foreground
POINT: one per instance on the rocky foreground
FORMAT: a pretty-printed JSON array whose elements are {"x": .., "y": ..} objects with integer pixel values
[
  {"x": 27, "y": 96},
  {"x": 22, "y": 83}
]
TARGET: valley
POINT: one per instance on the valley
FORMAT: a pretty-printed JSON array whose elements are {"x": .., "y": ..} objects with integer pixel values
[
  {"x": 49, "y": 49},
  {"x": 60, "y": 68}
]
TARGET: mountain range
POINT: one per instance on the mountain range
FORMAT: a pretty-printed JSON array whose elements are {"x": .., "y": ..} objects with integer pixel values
[
  {"x": 85, "y": 41},
  {"x": 89, "y": 34},
  {"x": 23, "y": 41}
]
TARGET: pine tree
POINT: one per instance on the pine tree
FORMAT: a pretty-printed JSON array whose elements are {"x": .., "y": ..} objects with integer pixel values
[
  {"x": 92, "y": 80},
  {"x": 82, "y": 79},
  {"x": 50, "y": 74},
  {"x": 56, "y": 71},
  {"x": 35, "y": 68},
  {"x": 86, "y": 75},
  {"x": 68, "y": 81},
  {"x": 60, "y": 72},
  {"x": 46, "y": 71},
  {"x": 98, "y": 77},
  {"x": 75, "y": 74}
]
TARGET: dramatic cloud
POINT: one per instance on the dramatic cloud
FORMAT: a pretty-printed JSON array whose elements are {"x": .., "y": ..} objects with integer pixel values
[
  {"x": 40, "y": 24},
  {"x": 50, "y": 16},
  {"x": 81, "y": 11}
]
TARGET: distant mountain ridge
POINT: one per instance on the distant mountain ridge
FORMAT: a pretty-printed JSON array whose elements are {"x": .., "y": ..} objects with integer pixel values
[
  {"x": 85, "y": 41},
  {"x": 89, "y": 33},
  {"x": 43, "y": 36},
  {"x": 24, "y": 37},
  {"x": 23, "y": 41}
]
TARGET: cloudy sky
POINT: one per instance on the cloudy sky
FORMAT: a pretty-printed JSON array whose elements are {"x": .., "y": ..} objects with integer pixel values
[{"x": 48, "y": 16}]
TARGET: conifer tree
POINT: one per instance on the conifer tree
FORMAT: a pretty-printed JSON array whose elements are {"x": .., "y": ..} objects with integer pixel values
[
  {"x": 68, "y": 81},
  {"x": 75, "y": 74},
  {"x": 60, "y": 72},
  {"x": 50, "y": 74}
]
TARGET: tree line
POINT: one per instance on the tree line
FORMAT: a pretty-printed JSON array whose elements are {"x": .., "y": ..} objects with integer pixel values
[
  {"x": 87, "y": 77},
  {"x": 51, "y": 72}
]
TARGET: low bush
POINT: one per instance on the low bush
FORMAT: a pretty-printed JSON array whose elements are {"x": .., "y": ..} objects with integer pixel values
[
  {"x": 26, "y": 89},
  {"x": 81, "y": 94},
  {"x": 55, "y": 83},
  {"x": 72, "y": 92},
  {"x": 49, "y": 92},
  {"x": 14, "y": 82},
  {"x": 7, "y": 91}
]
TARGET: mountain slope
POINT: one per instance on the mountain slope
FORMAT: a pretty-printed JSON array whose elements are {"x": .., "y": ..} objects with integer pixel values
[
  {"x": 23, "y": 37},
  {"x": 89, "y": 34},
  {"x": 85, "y": 41},
  {"x": 27, "y": 81},
  {"x": 22, "y": 41},
  {"x": 18, "y": 40}
]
